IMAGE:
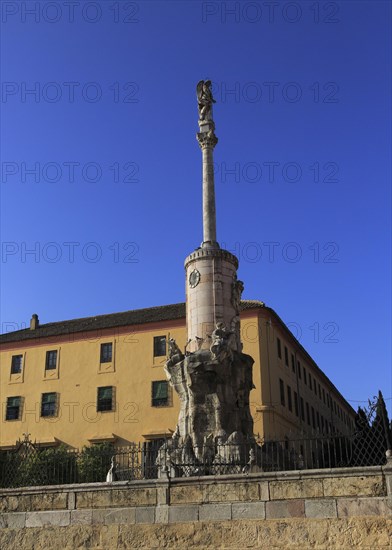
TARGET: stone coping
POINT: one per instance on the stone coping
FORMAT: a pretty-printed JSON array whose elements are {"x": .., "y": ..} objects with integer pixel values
[
  {"x": 207, "y": 253},
  {"x": 285, "y": 475},
  {"x": 75, "y": 487},
  {"x": 196, "y": 480}
]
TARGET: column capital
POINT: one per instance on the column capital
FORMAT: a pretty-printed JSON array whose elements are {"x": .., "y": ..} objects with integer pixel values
[{"x": 206, "y": 139}]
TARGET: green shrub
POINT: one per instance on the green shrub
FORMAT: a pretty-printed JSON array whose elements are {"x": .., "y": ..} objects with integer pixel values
[{"x": 94, "y": 462}]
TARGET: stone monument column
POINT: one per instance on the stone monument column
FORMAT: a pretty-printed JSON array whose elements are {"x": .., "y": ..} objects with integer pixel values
[
  {"x": 212, "y": 290},
  {"x": 212, "y": 377}
]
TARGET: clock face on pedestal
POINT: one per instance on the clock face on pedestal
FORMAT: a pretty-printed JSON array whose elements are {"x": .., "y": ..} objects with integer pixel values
[{"x": 194, "y": 278}]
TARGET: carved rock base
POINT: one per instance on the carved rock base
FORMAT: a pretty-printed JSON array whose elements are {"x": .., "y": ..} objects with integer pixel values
[{"x": 214, "y": 425}]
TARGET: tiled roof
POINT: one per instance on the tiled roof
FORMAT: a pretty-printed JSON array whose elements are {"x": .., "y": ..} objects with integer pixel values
[{"x": 111, "y": 320}]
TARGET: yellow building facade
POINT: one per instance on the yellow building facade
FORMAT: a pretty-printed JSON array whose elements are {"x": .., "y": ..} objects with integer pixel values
[{"x": 102, "y": 379}]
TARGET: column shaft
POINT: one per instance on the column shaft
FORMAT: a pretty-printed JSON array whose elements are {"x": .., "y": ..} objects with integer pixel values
[{"x": 209, "y": 214}]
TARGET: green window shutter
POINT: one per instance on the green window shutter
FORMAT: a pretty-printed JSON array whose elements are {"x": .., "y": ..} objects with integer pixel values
[
  {"x": 160, "y": 393},
  {"x": 105, "y": 398},
  {"x": 13, "y": 408},
  {"x": 160, "y": 390},
  {"x": 49, "y": 398},
  {"x": 13, "y": 401},
  {"x": 49, "y": 404},
  {"x": 105, "y": 393}
]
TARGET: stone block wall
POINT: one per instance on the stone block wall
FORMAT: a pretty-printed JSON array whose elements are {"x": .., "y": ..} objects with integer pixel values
[{"x": 341, "y": 508}]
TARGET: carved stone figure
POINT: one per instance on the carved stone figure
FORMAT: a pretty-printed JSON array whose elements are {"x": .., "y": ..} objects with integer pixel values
[
  {"x": 174, "y": 352},
  {"x": 220, "y": 347},
  {"x": 111, "y": 475},
  {"x": 186, "y": 352},
  {"x": 251, "y": 467},
  {"x": 199, "y": 342},
  {"x": 173, "y": 348},
  {"x": 235, "y": 327},
  {"x": 204, "y": 99},
  {"x": 236, "y": 293}
]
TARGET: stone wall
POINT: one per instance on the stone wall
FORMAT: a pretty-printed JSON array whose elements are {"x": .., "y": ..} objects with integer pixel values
[{"x": 323, "y": 509}]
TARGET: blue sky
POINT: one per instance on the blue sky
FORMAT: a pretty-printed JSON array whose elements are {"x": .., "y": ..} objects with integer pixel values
[{"x": 302, "y": 164}]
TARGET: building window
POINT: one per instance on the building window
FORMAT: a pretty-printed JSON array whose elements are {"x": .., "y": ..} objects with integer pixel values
[
  {"x": 296, "y": 404},
  {"x": 150, "y": 453},
  {"x": 318, "y": 420},
  {"x": 315, "y": 387},
  {"x": 159, "y": 346},
  {"x": 281, "y": 387},
  {"x": 105, "y": 398},
  {"x": 319, "y": 387},
  {"x": 302, "y": 409},
  {"x": 292, "y": 362},
  {"x": 310, "y": 381},
  {"x": 106, "y": 352},
  {"x": 13, "y": 408},
  {"x": 49, "y": 404},
  {"x": 307, "y": 413},
  {"x": 51, "y": 360},
  {"x": 305, "y": 379},
  {"x": 299, "y": 369},
  {"x": 324, "y": 396},
  {"x": 313, "y": 419},
  {"x": 289, "y": 401},
  {"x": 279, "y": 345},
  {"x": 16, "y": 364},
  {"x": 160, "y": 394},
  {"x": 286, "y": 356}
]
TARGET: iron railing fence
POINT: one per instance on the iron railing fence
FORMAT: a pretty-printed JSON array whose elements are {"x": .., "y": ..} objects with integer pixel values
[{"x": 30, "y": 465}]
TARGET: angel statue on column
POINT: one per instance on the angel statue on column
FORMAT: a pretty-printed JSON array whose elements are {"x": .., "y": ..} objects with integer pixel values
[{"x": 204, "y": 99}]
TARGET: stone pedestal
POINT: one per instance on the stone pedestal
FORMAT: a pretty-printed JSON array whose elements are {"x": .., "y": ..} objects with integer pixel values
[{"x": 213, "y": 296}]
